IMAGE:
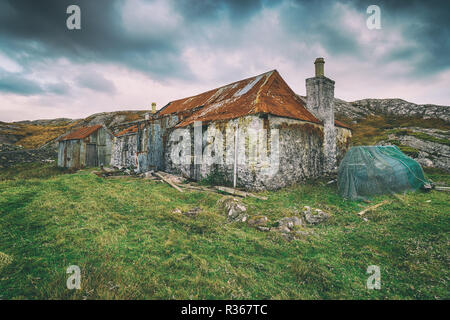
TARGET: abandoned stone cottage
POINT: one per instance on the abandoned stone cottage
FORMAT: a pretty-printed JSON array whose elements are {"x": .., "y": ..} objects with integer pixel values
[
  {"x": 85, "y": 147},
  {"x": 255, "y": 132}
]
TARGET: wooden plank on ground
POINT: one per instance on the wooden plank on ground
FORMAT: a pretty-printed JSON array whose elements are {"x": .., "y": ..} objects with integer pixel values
[
  {"x": 373, "y": 207},
  {"x": 168, "y": 182},
  {"x": 239, "y": 193}
]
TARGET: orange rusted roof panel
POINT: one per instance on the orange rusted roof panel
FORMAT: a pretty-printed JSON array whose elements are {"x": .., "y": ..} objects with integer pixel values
[
  {"x": 342, "y": 124},
  {"x": 265, "y": 93},
  {"x": 130, "y": 130},
  {"x": 81, "y": 133}
]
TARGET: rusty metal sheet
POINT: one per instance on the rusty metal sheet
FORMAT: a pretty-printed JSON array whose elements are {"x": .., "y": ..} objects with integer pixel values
[
  {"x": 265, "y": 93},
  {"x": 129, "y": 130},
  {"x": 342, "y": 124},
  {"x": 81, "y": 133}
]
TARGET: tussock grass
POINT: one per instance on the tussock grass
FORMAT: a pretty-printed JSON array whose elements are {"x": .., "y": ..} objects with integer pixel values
[
  {"x": 4, "y": 260},
  {"x": 130, "y": 244}
]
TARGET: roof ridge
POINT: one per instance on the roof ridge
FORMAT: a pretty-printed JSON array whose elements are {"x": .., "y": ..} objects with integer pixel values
[
  {"x": 81, "y": 132},
  {"x": 226, "y": 85},
  {"x": 263, "y": 86}
]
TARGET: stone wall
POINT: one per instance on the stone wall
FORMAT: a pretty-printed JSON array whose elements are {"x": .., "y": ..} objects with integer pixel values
[
  {"x": 124, "y": 152},
  {"x": 273, "y": 152},
  {"x": 343, "y": 142}
]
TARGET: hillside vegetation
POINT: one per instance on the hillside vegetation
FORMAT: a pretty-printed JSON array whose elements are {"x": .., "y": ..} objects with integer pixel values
[
  {"x": 35, "y": 134},
  {"x": 130, "y": 243}
]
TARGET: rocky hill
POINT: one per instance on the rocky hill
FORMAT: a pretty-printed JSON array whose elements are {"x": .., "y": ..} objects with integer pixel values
[
  {"x": 38, "y": 133},
  {"x": 361, "y": 109},
  {"x": 421, "y": 131}
]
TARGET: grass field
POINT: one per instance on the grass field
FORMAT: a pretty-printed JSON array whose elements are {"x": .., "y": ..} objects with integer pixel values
[{"x": 129, "y": 243}]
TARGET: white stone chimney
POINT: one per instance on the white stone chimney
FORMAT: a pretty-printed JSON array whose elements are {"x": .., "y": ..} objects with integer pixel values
[{"x": 320, "y": 102}]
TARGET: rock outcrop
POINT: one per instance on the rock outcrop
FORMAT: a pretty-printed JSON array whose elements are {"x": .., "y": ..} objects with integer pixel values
[
  {"x": 430, "y": 147},
  {"x": 363, "y": 108}
]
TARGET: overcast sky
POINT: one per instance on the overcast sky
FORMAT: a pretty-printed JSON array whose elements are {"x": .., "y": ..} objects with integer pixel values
[{"x": 131, "y": 53}]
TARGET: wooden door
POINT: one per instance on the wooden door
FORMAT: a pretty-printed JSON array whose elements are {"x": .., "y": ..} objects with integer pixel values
[{"x": 91, "y": 155}]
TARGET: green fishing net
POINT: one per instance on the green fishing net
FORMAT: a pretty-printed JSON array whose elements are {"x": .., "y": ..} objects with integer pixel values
[{"x": 373, "y": 170}]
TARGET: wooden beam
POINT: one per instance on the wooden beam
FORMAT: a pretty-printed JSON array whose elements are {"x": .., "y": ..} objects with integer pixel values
[
  {"x": 168, "y": 182},
  {"x": 373, "y": 207},
  {"x": 239, "y": 193}
]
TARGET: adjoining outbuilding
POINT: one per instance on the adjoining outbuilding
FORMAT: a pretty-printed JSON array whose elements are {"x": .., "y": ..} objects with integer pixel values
[
  {"x": 85, "y": 147},
  {"x": 367, "y": 171}
]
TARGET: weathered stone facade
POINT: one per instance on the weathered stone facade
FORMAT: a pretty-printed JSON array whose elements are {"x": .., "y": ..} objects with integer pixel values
[
  {"x": 124, "y": 153},
  {"x": 273, "y": 152}
]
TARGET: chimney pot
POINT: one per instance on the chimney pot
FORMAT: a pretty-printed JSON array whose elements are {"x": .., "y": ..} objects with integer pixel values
[
  {"x": 319, "y": 64},
  {"x": 153, "y": 107}
]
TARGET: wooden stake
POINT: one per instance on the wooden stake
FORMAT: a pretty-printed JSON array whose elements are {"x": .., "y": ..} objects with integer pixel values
[{"x": 373, "y": 207}]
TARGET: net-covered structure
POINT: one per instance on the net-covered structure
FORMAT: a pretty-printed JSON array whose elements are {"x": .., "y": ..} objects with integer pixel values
[{"x": 373, "y": 170}]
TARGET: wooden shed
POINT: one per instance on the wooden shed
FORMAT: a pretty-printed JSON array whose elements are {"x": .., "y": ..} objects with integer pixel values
[{"x": 85, "y": 147}]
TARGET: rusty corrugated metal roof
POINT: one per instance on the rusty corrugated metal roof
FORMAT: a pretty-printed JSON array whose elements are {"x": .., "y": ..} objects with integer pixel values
[
  {"x": 129, "y": 130},
  {"x": 81, "y": 133},
  {"x": 342, "y": 124},
  {"x": 265, "y": 93}
]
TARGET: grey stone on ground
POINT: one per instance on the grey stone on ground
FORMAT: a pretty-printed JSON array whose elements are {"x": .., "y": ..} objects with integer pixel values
[
  {"x": 190, "y": 213},
  {"x": 258, "y": 221},
  {"x": 290, "y": 222},
  {"x": 233, "y": 208},
  {"x": 314, "y": 216},
  {"x": 287, "y": 228}
]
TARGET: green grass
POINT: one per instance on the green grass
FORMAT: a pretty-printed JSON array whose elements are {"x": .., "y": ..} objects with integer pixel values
[
  {"x": 31, "y": 170},
  {"x": 129, "y": 243}
]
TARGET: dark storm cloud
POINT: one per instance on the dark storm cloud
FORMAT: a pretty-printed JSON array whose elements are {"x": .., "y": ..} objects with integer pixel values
[
  {"x": 425, "y": 22},
  {"x": 237, "y": 11},
  {"x": 35, "y": 31},
  {"x": 314, "y": 22},
  {"x": 96, "y": 82},
  {"x": 38, "y": 28},
  {"x": 11, "y": 83}
]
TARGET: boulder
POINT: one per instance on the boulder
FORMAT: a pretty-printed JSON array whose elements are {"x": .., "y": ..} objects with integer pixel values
[
  {"x": 258, "y": 221},
  {"x": 290, "y": 222},
  {"x": 190, "y": 213},
  {"x": 314, "y": 216},
  {"x": 233, "y": 208}
]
